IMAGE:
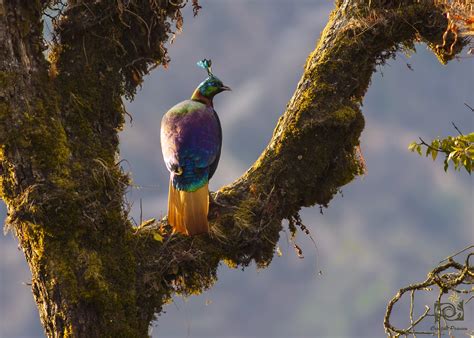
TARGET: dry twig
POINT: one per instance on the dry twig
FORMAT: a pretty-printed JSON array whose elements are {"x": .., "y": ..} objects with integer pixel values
[{"x": 446, "y": 280}]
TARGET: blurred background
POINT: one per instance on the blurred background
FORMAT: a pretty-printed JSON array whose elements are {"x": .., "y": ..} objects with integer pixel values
[{"x": 387, "y": 229}]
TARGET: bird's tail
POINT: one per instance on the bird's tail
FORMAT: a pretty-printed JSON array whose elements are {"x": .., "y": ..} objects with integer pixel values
[{"x": 187, "y": 211}]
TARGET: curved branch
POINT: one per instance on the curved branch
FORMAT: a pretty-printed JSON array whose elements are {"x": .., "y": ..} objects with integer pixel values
[
  {"x": 445, "y": 281},
  {"x": 310, "y": 156},
  {"x": 59, "y": 124}
]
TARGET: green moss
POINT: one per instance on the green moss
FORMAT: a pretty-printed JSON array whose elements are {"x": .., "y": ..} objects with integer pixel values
[
  {"x": 93, "y": 273},
  {"x": 38, "y": 132},
  {"x": 7, "y": 180},
  {"x": 6, "y": 79},
  {"x": 344, "y": 116},
  {"x": 48, "y": 138},
  {"x": 244, "y": 214},
  {"x": 58, "y": 220}
]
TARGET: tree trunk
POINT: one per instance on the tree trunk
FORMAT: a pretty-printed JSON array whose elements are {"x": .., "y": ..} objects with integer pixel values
[{"x": 93, "y": 274}]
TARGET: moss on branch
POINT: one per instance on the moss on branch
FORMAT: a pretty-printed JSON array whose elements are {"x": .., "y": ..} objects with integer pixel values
[
  {"x": 313, "y": 150},
  {"x": 59, "y": 143}
]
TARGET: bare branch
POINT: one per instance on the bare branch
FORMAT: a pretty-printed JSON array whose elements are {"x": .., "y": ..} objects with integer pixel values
[
  {"x": 442, "y": 278},
  {"x": 472, "y": 109},
  {"x": 456, "y": 127}
]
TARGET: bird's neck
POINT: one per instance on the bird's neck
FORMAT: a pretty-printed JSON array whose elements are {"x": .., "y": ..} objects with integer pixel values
[{"x": 197, "y": 96}]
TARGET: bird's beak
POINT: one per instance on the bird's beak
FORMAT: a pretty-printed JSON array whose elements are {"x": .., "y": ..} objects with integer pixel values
[{"x": 225, "y": 88}]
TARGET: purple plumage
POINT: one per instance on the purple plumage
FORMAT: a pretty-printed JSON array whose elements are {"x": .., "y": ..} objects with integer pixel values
[{"x": 191, "y": 139}]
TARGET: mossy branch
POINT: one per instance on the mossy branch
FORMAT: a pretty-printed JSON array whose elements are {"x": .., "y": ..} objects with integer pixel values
[
  {"x": 93, "y": 274},
  {"x": 312, "y": 152}
]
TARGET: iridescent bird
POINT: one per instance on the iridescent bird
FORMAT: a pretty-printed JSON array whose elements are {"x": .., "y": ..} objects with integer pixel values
[{"x": 191, "y": 139}]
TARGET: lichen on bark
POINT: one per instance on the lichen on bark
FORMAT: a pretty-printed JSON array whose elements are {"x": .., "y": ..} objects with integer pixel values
[{"x": 93, "y": 273}]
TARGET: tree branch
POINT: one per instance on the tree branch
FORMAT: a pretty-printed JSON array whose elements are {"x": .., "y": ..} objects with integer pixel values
[
  {"x": 59, "y": 141},
  {"x": 442, "y": 277},
  {"x": 310, "y": 156},
  {"x": 32, "y": 144}
]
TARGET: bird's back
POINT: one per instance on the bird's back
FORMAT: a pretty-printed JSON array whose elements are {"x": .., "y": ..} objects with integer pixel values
[{"x": 191, "y": 140}]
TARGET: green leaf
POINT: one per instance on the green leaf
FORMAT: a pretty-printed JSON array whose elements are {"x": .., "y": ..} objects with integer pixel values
[
  {"x": 418, "y": 149},
  {"x": 470, "y": 137},
  {"x": 451, "y": 155},
  {"x": 157, "y": 237},
  {"x": 428, "y": 151},
  {"x": 457, "y": 149},
  {"x": 412, "y": 146},
  {"x": 468, "y": 167}
]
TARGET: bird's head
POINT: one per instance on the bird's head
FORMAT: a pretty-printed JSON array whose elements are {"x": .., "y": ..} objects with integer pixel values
[{"x": 210, "y": 86}]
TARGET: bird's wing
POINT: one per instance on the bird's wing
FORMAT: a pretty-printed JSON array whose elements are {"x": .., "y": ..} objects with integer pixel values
[
  {"x": 214, "y": 164},
  {"x": 190, "y": 136}
]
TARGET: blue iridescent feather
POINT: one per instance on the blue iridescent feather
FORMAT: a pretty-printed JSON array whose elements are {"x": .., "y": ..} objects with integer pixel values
[
  {"x": 205, "y": 64},
  {"x": 191, "y": 138}
]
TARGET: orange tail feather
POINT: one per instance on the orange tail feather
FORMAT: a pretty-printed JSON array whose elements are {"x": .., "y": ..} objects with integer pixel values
[{"x": 187, "y": 211}]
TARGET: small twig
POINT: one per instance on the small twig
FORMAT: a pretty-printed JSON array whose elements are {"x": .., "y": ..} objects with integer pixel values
[
  {"x": 84, "y": 49},
  {"x": 412, "y": 303},
  {"x": 144, "y": 23},
  {"x": 175, "y": 4},
  {"x": 456, "y": 127},
  {"x": 52, "y": 17},
  {"x": 298, "y": 251},
  {"x": 432, "y": 148},
  {"x": 439, "y": 312},
  {"x": 441, "y": 277},
  {"x": 196, "y": 7},
  {"x": 141, "y": 212},
  {"x": 472, "y": 109},
  {"x": 412, "y": 326},
  {"x": 457, "y": 253}
]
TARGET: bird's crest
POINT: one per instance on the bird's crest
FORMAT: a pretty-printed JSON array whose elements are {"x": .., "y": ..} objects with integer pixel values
[
  {"x": 206, "y": 64},
  {"x": 211, "y": 86}
]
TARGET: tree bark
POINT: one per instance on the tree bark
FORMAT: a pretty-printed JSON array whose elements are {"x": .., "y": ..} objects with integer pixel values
[{"x": 93, "y": 274}]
